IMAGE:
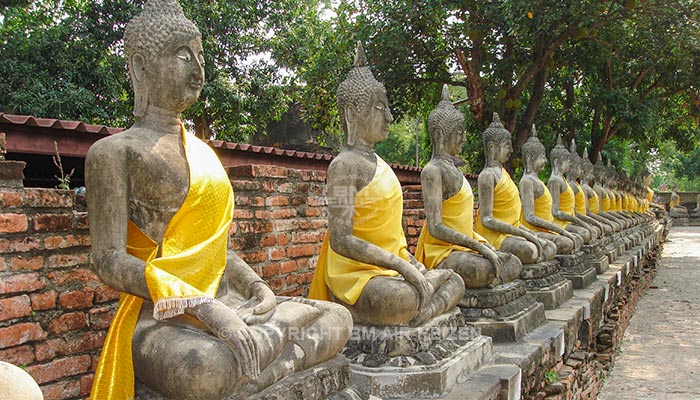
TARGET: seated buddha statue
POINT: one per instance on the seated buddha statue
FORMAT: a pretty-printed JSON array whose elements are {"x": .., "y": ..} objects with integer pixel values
[
  {"x": 612, "y": 185},
  {"x": 448, "y": 240},
  {"x": 194, "y": 320},
  {"x": 607, "y": 202},
  {"x": 676, "y": 209},
  {"x": 364, "y": 263},
  {"x": 563, "y": 199},
  {"x": 498, "y": 218},
  {"x": 592, "y": 198},
  {"x": 573, "y": 176},
  {"x": 537, "y": 201}
]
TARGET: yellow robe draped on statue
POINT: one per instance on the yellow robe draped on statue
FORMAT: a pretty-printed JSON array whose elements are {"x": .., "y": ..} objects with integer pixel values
[
  {"x": 618, "y": 202},
  {"x": 543, "y": 209},
  {"x": 626, "y": 202},
  {"x": 580, "y": 200},
  {"x": 594, "y": 203},
  {"x": 566, "y": 205},
  {"x": 188, "y": 271},
  {"x": 506, "y": 208},
  {"x": 605, "y": 203},
  {"x": 457, "y": 214},
  {"x": 378, "y": 212}
]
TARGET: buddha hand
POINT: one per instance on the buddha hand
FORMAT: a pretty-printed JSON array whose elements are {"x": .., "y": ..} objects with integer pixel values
[
  {"x": 261, "y": 305},
  {"x": 416, "y": 278},
  {"x": 497, "y": 264}
]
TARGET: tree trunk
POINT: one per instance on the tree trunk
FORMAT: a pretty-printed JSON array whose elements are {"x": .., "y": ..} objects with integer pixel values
[{"x": 475, "y": 88}]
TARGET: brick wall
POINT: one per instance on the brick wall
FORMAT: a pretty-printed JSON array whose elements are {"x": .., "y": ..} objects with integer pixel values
[{"x": 54, "y": 311}]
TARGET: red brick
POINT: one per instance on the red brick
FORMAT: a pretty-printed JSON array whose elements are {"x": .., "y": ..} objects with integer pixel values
[
  {"x": 245, "y": 185},
  {"x": 256, "y": 201},
  {"x": 303, "y": 264},
  {"x": 86, "y": 385},
  {"x": 307, "y": 237},
  {"x": 20, "y": 263},
  {"x": 242, "y": 214},
  {"x": 100, "y": 318},
  {"x": 66, "y": 260},
  {"x": 277, "y": 201},
  {"x": 61, "y": 390},
  {"x": 263, "y": 214},
  {"x": 64, "y": 242},
  {"x": 255, "y": 227},
  {"x": 10, "y": 198},
  {"x": 268, "y": 240},
  {"x": 80, "y": 220},
  {"x": 19, "y": 245},
  {"x": 277, "y": 254},
  {"x": 82, "y": 298},
  {"x": 20, "y": 355},
  {"x": 282, "y": 239},
  {"x": 268, "y": 171},
  {"x": 297, "y": 200},
  {"x": 21, "y": 283},
  {"x": 13, "y": 223},
  {"x": 61, "y": 278},
  {"x": 104, "y": 294},
  {"x": 288, "y": 267},
  {"x": 270, "y": 270},
  {"x": 277, "y": 284},
  {"x": 253, "y": 256},
  {"x": 52, "y": 222},
  {"x": 3, "y": 265},
  {"x": 80, "y": 343},
  {"x": 298, "y": 292},
  {"x": 300, "y": 251},
  {"x": 305, "y": 277},
  {"x": 313, "y": 212},
  {"x": 68, "y": 322},
  {"x": 284, "y": 213},
  {"x": 48, "y": 198},
  {"x": 43, "y": 301},
  {"x": 49, "y": 349},
  {"x": 58, "y": 369},
  {"x": 18, "y": 334},
  {"x": 15, "y": 307},
  {"x": 318, "y": 176}
]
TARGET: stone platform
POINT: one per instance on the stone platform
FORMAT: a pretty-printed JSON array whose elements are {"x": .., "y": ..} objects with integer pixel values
[
  {"x": 596, "y": 257},
  {"x": 546, "y": 283},
  {"x": 416, "y": 362},
  {"x": 329, "y": 380},
  {"x": 575, "y": 269},
  {"x": 506, "y": 312}
]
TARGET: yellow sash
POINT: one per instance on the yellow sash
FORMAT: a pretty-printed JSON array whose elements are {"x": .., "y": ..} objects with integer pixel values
[
  {"x": 378, "y": 212},
  {"x": 618, "y": 202},
  {"x": 457, "y": 214},
  {"x": 187, "y": 273},
  {"x": 605, "y": 202},
  {"x": 543, "y": 209},
  {"x": 594, "y": 203},
  {"x": 566, "y": 204},
  {"x": 580, "y": 200},
  {"x": 506, "y": 208},
  {"x": 625, "y": 202}
]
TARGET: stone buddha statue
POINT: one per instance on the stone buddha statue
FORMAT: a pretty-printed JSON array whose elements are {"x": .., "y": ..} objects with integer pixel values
[
  {"x": 592, "y": 197},
  {"x": 607, "y": 200},
  {"x": 498, "y": 218},
  {"x": 448, "y": 240},
  {"x": 194, "y": 320},
  {"x": 563, "y": 199},
  {"x": 676, "y": 209},
  {"x": 574, "y": 175},
  {"x": 537, "y": 201},
  {"x": 364, "y": 263}
]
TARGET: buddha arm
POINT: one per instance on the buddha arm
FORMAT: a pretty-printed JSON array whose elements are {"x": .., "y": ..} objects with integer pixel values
[
  {"x": 106, "y": 177},
  {"x": 487, "y": 183},
  {"x": 555, "y": 186},
  {"x": 432, "y": 187}
]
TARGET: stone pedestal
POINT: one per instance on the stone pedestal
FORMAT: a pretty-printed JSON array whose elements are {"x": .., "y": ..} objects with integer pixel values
[
  {"x": 506, "y": 312},
  {"x": 415, "y": 362},
  {"x": 574, "y": 268},
  {"x": 595, "y": 256},
  {"x": 328, "y": 380},
  {"x": 545, "y": 282}
]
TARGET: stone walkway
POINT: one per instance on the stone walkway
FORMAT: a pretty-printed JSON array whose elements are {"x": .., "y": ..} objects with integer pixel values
[{"x": 660, "y": 354}]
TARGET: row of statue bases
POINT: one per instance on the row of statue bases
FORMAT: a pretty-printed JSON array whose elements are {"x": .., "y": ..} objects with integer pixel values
[{"x": 195, "y": 321}]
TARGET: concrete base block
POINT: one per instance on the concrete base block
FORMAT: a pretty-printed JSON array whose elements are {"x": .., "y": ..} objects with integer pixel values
[
  {"x": 600, "y": 265},
  {"x": 581, "y": 280},
  {"x": 553, "y": 296},
  {"x": 423, "y": 381},
  {"x": 501, "y": 382},
  {"x": 513, "y": 328}
]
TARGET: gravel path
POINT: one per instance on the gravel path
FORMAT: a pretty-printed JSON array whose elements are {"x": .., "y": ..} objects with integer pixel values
[{"x": 660, "y": 353}]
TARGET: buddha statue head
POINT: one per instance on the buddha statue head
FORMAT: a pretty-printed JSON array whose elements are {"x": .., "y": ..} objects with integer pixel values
[
  {"x": 646, "y": 178},
  {"x": 600, "y": 171},
  {"x": 362, "y": 104},
  {"x": 588, "y": 168},
  {"x": 446, "y": 126},
  {"x": 534, "y": 153},
  {"x": 576, "y": 169},
  {"x": 497, "y": 142},
  {"x": 165, "y": 58},
  {"x": 561, "y": 159},
  {"x": 611, "y": 175}
]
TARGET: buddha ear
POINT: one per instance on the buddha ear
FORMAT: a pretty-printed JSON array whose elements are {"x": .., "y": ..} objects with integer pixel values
[
  {"x": 351, "y": 119},
  {"x": 137, "y": 70}
]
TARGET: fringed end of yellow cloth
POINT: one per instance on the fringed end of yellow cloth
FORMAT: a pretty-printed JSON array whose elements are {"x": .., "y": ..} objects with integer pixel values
[{"x": 169, "y": 307}]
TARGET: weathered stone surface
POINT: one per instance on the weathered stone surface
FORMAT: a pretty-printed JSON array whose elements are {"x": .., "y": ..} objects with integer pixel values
[{"x": 16, "y": 384}]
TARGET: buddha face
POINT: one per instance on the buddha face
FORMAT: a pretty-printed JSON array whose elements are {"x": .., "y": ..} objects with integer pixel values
[
  {"x": 647, "y": 179},
  {"x": 501, "y": 150},
  {"x": 372, "y": 124},
  {"x": 454, "y": 139},
  {"x": 539, "y": 162},
  {"x": 176, "y": 76},
  {"x": 564, "y": 165}
]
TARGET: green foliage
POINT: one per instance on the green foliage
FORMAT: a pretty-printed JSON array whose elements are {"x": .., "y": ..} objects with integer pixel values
[{"x": 551, "y": 376}]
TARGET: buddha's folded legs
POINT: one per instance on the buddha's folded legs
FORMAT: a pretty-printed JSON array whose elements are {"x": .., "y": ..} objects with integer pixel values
[
  {"x": 564, "y": 244},
  {"x": 583, "y": 232},
  {"x": 478, "y": 272}
]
